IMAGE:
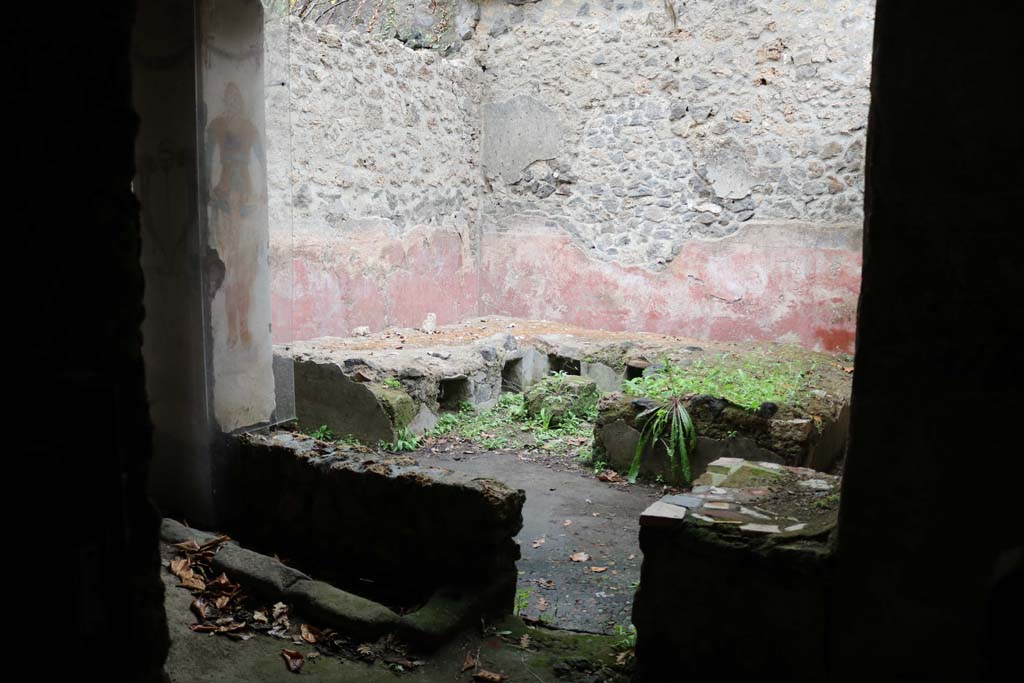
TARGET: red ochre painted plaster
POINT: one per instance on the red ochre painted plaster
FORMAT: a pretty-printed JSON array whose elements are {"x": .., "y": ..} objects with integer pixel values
[{"x": 723, "y": 290}]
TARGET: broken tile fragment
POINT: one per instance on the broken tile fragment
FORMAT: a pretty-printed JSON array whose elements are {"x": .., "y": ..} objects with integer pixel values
[{"x": 662, "y": 514}]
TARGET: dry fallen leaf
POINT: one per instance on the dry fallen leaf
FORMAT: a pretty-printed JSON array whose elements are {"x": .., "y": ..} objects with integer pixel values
[
  {"x": 279, "y": 610},
  {"x": 221, "y": 580},
  {"x": 469, "y": 662},
  {"x": 610, "y": 476},
  {"x": 579, "y": 557},
  {"x": 294, "y": 660},
  {"x": 524, "y": 642},
  {"x": 189, "y": 546},
  {"x": 310, "y": 634},
  {"x": 488, "y": 677},
  {"x": 199, "y": 606},
  {"x": 222, "y": 601},
  {"x": 538, "y": 543},
  {"x": 193, "y": 583},
  {"x": 180, "y": 566},
  {"x": 546, "y": 584},
  {"x": 542, "y": 605},
  {"x": 260, "y": 617},
  {"x": 598, "y": 570},
  {"x": 213, "y": 543},
  {"x": 567, "y": 522}
]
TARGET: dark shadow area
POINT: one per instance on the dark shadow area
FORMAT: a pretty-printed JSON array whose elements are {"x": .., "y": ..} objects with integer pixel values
[
  {"x": 570, "y": 366},
  {"x": 453, "y": 392}
]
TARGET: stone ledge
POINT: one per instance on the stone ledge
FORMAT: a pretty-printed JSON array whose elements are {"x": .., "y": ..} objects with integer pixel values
[
  {"x": 353, "y": 515},
  {"x": 448, "y": 611}
]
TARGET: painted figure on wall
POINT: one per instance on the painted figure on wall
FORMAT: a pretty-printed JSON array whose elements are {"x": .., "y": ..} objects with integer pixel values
[{"x": 235, "y": 205}]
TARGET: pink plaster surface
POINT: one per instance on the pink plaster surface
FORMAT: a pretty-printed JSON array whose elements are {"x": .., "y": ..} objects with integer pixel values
[
  {"x": 372, "y": 280},
  {"x": 723, "y": 290}
]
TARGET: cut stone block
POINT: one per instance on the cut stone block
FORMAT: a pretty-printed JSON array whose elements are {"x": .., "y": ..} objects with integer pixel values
[
  {"x": 607, "y": 379},
  {"x": 753, "y": 562},
  {"x": 341, "y": 511}
]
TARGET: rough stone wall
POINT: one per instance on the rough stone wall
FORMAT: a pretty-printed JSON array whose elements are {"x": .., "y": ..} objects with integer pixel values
[
  {"x": 699, "y": 171},
  {"x": 678, "y": 127},
  {"x": 385, "y": 194},
  {"x": 442, "y": 25},
  {"x": 689, "y": 168},
  {"x": 356, "y": 517}
]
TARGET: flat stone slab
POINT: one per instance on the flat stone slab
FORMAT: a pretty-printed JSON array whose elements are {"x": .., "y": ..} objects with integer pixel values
[
  {"x": 662, "y": 513},
  {"x": 753, "y": 498}
]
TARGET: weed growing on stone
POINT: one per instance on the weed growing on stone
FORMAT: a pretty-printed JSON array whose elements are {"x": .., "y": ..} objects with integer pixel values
[
  {"x": 323, "y": 433},
  {"x": 628, "y": 636},
  {"x": 522, "y": 601},
  {"x": 392, "y": 383},
  {"x": 508, "y": 425},
  {"x": 404, "y": 441},
  {"x": 749, "y": 386}
]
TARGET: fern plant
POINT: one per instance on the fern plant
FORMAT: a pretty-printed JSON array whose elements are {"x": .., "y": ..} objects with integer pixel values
[{"x": 670, "y": 424}]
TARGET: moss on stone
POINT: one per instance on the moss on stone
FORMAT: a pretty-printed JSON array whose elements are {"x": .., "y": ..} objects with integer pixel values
[
  {"x": 398, "y": 405},
  {"x": 562, "y": 395}
]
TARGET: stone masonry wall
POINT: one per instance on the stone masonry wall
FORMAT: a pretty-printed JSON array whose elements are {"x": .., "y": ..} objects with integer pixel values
[
  {"x": 701, "y": 174},
  {"x": 385, "y": 184},
  {"x": 681, "y": 128},
  {"x": 690, "y": 168}
]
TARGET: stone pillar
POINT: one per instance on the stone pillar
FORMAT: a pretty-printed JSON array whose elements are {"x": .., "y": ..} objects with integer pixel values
[
  {"x": 166, "y": 183},
  {"x": 202, "y": 181},
  {"x": 233, "y": 208}
]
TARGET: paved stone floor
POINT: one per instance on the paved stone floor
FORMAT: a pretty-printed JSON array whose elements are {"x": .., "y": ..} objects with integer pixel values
[{"x": 568, "y": 511}]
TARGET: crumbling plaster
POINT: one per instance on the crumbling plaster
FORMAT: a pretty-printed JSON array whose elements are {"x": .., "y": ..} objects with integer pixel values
[{"x": 597, "y": 163}]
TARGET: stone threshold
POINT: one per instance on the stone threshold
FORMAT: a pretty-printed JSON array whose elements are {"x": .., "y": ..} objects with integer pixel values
[{"x": 448, "y": 611}]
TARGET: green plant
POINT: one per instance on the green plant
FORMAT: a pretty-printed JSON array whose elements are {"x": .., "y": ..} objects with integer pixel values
[
  {"x": 323, "y": 433},
  {"x": 522, "y": 601},
  {"x": 756, "y": 382},
  {"x": 627, "y": 635},
  {"x": 829, "y": 501},
  {"x": 600, "y": 466},
  {"x": 545, "y": 419},
  {"x": 392, "y": 383},
  {"x": 404, "y": 441},
  {"x": 445, "y": 424},
  {"x": 668, "y": 417}
]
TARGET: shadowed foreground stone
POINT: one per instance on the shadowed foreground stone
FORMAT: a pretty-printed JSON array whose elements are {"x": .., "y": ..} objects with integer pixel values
[
  {"x": 373, "y": 524},
  {"x": 738, "y": 574},
  {"x": 447, "y": 612}
]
